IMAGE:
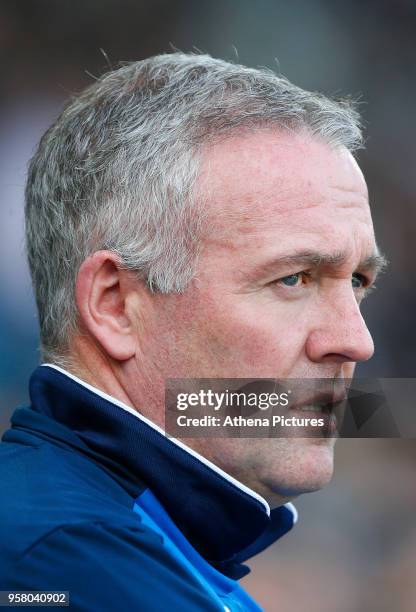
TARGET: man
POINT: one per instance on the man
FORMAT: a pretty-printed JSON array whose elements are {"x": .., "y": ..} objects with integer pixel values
[{"x": 186, "y": 218}]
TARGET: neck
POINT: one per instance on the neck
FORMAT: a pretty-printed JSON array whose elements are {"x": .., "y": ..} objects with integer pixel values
[{"x": 90, "y": 364}]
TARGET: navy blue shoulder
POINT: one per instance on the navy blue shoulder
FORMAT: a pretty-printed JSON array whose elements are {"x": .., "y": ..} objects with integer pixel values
[
  {"x": 47, "y": 487},
  {"x": 108, "y": 567}
]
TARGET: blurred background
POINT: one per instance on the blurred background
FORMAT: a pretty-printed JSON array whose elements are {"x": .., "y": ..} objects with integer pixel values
[{"x": 354, "y": 548}]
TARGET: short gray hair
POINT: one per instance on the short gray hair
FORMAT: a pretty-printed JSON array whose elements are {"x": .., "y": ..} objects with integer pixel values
[{"x": 118, "y": 167}]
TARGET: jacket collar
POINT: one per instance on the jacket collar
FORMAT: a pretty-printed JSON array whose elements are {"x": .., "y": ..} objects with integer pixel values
[{"x": 223, "y": 519}]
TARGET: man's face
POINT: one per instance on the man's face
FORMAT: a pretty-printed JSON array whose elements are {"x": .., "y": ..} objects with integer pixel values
[{"x": 277, "y": 290}]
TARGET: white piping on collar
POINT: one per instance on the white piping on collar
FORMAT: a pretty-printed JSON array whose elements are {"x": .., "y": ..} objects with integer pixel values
[
  {"x": 183, "y": 446},
  {"x": 293, "y": 510}
]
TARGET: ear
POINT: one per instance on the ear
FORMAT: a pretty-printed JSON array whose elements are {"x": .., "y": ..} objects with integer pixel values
[{"x": 108, "y": 302}]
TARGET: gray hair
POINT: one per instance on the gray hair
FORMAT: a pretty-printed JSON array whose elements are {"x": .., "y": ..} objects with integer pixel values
[{"x": 118, "y": 167}]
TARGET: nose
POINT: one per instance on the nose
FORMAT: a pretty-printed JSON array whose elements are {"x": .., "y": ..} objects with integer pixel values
[{"x": 340, "y": 334}]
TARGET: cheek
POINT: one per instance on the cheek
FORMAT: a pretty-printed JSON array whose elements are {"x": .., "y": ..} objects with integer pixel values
[
  {"x": 232, "y": 336},
  {"x": 261, "y": 344}
]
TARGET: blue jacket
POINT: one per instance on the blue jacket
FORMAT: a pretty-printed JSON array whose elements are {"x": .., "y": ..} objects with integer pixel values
[{"x": 98, "y": 502}]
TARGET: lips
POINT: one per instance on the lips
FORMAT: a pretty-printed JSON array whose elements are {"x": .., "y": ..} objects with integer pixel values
[
  {"x": 324, "y": 400},
  {"x": 327, "y": 405},
  {"x": 319, "y": 408}
]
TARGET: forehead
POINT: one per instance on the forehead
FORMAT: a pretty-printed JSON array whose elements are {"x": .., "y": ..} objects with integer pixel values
[{"x": 258, "y": 180}]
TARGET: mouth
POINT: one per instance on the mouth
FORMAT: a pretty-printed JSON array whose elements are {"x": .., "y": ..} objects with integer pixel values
[{"x": 327, "y": 408}]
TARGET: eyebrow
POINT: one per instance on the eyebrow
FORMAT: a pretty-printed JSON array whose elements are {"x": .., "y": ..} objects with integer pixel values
[{"x": 374, "y": 263}]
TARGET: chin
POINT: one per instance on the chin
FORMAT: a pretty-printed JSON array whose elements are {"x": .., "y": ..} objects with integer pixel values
[{"x": 308, "y": 466}]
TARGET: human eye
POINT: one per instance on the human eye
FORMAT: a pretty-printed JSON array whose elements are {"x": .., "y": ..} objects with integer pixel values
[
  {"x": 293, "y": 280},
  {"x": 362, "y": 285},
  {"x": 359, "y": 281}
]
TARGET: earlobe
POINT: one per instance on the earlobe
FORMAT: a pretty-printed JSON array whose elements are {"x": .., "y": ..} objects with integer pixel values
[{"x": 102, "y": 292}]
